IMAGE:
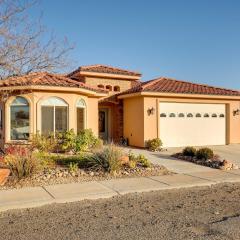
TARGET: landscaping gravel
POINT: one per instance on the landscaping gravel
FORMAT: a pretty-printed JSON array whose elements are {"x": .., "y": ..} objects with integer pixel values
[
  {"x": 63, "y": 175},
  {"x": 206, "y": 213}
]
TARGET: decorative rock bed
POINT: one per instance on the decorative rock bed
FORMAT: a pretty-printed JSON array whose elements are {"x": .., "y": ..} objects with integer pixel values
[
  {"x": 61, "y": 175},
  {"x": 216, "y": 162}
]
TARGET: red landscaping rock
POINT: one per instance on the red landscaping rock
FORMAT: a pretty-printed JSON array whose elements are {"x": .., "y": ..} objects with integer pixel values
[{"x": 4, "y": 173}]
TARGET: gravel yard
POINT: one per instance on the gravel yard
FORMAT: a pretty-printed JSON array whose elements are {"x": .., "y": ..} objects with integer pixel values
[{"x": 196, "y": 213}]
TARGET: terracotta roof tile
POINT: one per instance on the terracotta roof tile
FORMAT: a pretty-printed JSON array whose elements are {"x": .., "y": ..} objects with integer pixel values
[
  {"x": 46, "y": 79},
  {"x": 99, "y": 68},
  {"x": 168, "y": 85}
]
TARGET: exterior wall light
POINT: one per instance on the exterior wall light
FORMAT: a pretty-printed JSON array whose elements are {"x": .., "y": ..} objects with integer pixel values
[
  {"x": 151, "y": 111},
  {"x": 236, "y": 112}
]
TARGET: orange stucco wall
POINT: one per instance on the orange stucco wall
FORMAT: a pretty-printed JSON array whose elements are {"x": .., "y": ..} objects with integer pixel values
[
  {"x": 143, "y": 126},
  {"x": 133, "y": 121},
  {"x": 35, "y": 98}
]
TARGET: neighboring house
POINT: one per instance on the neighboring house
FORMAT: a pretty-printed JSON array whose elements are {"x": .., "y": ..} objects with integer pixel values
[{"x": 115, "y": 105}]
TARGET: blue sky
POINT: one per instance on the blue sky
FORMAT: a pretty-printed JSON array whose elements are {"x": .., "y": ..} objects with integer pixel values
[{"x": 197, "y": 41}]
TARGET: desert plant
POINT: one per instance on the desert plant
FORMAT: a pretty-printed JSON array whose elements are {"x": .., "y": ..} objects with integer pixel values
[
  {"x": 205, "y": 153},
  {"x": 73, "y": 167},
  {"x": 154, "y": 144},
  {"x": 66, "y": 141},
  {"x": 189, "y": 151},
  {"x": 108, "y": 159},
  {"x": 132, "y": 164},
  {"x": 21, "y": 161},
  {"x": 143, "y": 161},
  {"x": 86, "y": 140},
  {"x": 43, "y": 143}
]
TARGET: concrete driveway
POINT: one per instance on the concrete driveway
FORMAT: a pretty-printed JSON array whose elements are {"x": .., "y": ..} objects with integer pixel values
[{"x": 228, "y": 152}]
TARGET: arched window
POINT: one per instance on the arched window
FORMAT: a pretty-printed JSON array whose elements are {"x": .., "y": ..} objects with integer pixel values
[
  {"x": 54, "y": 113},
  {"x": 116, "y": 89},
  {"x": 181, "y": 115},
  {"x": 172, "y": 115},
  {"x": 206, "y": 115},
  {"x": 19, "y": 119},
  {"x": 109, "y": 88},
  {"x": 81, "y": 115},
  {"x": 190, "y": 115},
  {"x": 198, "y": 115},
  {"x": 163, "y": 115},
  {"x": 100, "y": 86},
  {"x": 214, "y": 115},
  {"x": 221, "y": 115}
]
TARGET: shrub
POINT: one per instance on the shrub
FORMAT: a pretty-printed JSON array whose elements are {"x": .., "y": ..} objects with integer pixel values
[
  {"x": 86, "y": 140},
  {"x": 140, "y": 159},
  {"x": 132, "y": 164},
  {"x": 109, "y": 159},
  {"x": 73, "y": 167},
  {"x": 44, "y": 143},
  {"x": 80, "y": 160},
  {"x": 66, "y": 141},
  {"x": 21, "y": 161},
  {"x": 189, "y": 151},
  {"x": 205, "y": 153},
  {"x": 143, "y": 161},
  {"x": 154, "y": 144}
]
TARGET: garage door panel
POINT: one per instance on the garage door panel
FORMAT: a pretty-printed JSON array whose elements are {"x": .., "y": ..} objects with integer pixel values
[{"x": 184, "y": 131}]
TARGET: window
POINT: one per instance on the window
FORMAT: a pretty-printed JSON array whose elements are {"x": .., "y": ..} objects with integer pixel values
[
  {"x": 109, "y": 88},
  {"x": 172, "y": 115},
  {"x": 198, "y": 115},
  {"x": 100, "y": 86},
  {"x": 81, "y": 115},
  {"x": 206, "y": 115},
  {"x": 181, "y": 115},
  {"x": 222, "y": 115},
  {"x": 190, "y": 115},
  {"x": 163, "y": 115},
  {"x": 116, "y": 89},
  {"x": 55, "y": 111},
  {"x": 214, "y": 115},
  {"x": 19, "y": 119}
]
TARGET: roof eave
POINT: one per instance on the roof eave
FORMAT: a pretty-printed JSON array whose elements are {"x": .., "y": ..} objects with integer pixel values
[
  {"x": 55, "y": 89},
  {"x": 178, "y": 95}
]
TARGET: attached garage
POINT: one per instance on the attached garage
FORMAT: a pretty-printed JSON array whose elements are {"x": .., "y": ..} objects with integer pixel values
[
  {"x": 181, "y": 114},
  {"x": 189, "y": 124}
]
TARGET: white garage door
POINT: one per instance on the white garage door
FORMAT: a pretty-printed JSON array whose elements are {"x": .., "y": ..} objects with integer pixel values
[{"x": 188, "y": 124}]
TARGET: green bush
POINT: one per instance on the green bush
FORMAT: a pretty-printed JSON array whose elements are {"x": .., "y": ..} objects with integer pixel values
[
  {"x": 189, "y": 151},
  {"x": 66, "y": 141},
  {"x": 140, "y": 160},
  {"x": 86, "y": 140},
  {"x": 82, "y": 161},
  {"x": 108, "y": 159},
  {"x": 205, "y": 153},
  {"x": 154, "y": 144},
  {"x": 44, "y": 143},
  {"x": 132, "y": 164},
  {"x": 73, "y": 167}
]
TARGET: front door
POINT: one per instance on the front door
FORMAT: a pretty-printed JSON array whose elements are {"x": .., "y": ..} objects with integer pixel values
[{"x": 103, "y": 123}]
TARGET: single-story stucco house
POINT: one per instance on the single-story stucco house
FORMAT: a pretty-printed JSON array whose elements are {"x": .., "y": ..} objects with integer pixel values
[{"x": 116, "y": 105}]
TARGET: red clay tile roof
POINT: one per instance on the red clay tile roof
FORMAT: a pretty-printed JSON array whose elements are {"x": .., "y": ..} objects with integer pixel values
[
  {"x": 46, "y": 79},
  {"x": 168, "y": 85},
  {"x": 98, "y": 68}
]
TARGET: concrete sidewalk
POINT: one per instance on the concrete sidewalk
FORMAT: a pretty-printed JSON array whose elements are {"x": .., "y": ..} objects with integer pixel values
[{"x": 38, "y": 196}]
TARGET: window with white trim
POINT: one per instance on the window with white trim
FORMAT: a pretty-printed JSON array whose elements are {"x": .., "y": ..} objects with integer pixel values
[
  {"x": 19, "y": 119},
  {"x": 54, "y": 114},
  {"x": 81, "y": 115}
]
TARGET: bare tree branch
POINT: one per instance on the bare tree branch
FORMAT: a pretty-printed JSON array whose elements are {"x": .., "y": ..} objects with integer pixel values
[{"x": 23, "y": 45}]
